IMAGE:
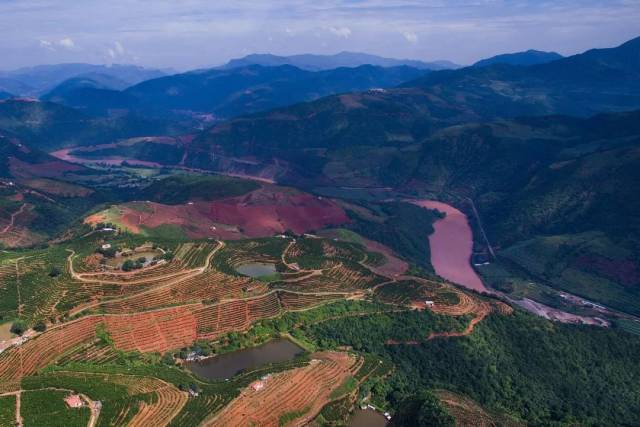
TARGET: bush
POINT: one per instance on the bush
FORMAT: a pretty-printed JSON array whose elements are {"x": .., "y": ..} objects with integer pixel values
[{"x": 55, "y": 271}]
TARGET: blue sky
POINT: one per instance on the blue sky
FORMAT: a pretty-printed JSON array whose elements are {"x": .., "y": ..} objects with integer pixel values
[{"x": 187, "y": 34}]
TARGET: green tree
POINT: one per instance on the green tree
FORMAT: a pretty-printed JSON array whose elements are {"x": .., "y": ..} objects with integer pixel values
[{"x": 19, "y": 327}]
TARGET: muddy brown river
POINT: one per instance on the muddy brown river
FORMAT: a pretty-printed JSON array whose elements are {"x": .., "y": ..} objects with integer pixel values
[{"x": 451, "y": 246}]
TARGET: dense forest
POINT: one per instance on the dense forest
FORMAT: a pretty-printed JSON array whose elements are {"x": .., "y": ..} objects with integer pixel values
[
  {"x": 399, "y": 225},
  {"x": 541, "y": 372}
]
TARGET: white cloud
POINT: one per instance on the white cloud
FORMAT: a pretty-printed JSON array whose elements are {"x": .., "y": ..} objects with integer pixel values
[
  {"x": 411, "y": 37},
  {"x": 117, "y": 52},
  {"x": 343, "y": 32},
  {"x": 67, "y": 43},
  {"x": 119, "y": 48},
  {"x": 46, "y": 44}
]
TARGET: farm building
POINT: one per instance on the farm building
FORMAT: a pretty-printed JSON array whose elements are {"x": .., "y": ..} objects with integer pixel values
[
  {"x": 429, "y": 303},
  {"x": 74, "y": 401},
  {"x": 257, "y": 385}
]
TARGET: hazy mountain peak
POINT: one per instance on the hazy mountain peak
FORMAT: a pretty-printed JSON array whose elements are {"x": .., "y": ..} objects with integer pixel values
[
  {"x": 314, "y": 62},
  {"x": 529, "y": 57},
  {"x": 43, "y": 78}
]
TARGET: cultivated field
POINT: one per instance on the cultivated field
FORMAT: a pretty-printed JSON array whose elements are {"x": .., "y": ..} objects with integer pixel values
[{"x": 291, "y": 398}]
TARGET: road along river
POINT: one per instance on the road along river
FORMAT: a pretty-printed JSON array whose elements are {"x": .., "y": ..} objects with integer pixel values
[{"x": 451, "y": 246}]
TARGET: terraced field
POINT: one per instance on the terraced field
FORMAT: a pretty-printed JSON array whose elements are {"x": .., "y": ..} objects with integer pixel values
[
  {"x": 197, "y": 296},
  {"x": 290, "y": 398}
]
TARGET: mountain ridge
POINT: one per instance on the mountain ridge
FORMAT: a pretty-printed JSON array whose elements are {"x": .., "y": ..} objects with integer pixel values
[
  {"x": 525, "y": 58},
  {"x": 315, "y": 62}
]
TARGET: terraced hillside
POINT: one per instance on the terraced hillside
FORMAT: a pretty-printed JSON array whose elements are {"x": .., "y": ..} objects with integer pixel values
[{"x": 96, "y": 315}]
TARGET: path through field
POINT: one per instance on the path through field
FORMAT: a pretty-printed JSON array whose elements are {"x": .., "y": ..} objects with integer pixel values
[
  {"x": 19, "y": 421},
  {"x": 13, "y": 219}
]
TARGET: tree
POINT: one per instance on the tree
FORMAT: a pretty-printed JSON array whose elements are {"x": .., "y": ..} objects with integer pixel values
[
  {"x": 167, "y": 359},
  {"x": 40, "y": 326},
  {"x": 128, "y": 265},
  {"x": 432, "y": 413},
  {"x": 55, "y": 271},
  {"x": 423, "y": 410},
  {"x": 18, "y": 327}
]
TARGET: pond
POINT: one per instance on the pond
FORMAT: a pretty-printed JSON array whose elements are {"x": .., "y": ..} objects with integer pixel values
[
  {"x": 256, "y": 269},
  {"x": 367, "y": 418},
  {"x": 228, "y": 364}
]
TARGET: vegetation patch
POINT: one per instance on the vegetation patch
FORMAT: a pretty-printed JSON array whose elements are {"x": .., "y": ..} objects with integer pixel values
[
  {"x": 48, "y": 408},
  {"x": 291, "y": 416},
  {"x": 7, "y": 410}
]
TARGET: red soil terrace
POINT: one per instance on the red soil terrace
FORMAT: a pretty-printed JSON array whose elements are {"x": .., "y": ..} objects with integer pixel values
[{"x": 267, "y": 211}]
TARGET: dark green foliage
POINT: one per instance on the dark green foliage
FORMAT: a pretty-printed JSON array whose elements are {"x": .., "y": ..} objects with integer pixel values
[
  {"x": 182, "y": 188},
  {"x": 405, "y": 228},
  {"x": 47, "y": 408},
  {"x": 143, "y": 150},
  {"x": 7, "y": 410},
  {"x": 423, "y": 410},
  {"x": 114, "y": 397},
  {"x": 19, "y": 327},
  {"x": 129, "y": 265},
  {"x": 370, "y": 333},
  {"x": 61, "y": 126},
  {"x": 232, "y": 92},
  {"x": 40, "y": 326},
  {"x": 528, "y": 367},
  {"x": 335, "y": 413}
]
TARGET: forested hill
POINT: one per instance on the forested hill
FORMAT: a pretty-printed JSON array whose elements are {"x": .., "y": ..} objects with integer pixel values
[
  {"x": 595, "y": 81},
  {"x": 586, "y": 84},
  {"x": 231, "y": 92},
  {"x": 48, "y": 126},
  {"x": 529, "y": 57}
]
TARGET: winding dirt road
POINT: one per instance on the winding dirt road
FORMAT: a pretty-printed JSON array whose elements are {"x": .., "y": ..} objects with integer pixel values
[{"x": 9, "y": 226}]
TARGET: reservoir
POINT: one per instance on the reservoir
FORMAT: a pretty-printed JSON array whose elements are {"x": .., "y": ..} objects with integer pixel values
[
  {"x": 229, "y": 364},
  {"x": 367, "y": 418},
  {"x": 256, "y": 270}
]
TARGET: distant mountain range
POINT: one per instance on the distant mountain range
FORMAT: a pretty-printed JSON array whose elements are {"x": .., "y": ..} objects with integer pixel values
[
  {"x": 312, "y": 62},
  {"x": 227, "y": 92},
  {"x": 595, "y": 81},
  {"x": 35, "y": 81},
  {"x": 529, "y": 57},
  {"x": 585, "y": 84}
]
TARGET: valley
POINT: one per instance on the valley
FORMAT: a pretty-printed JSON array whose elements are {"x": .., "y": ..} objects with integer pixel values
[{"x": 322, "y": 240}]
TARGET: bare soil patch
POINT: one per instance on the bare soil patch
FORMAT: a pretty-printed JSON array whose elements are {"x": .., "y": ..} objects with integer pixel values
[{"x": 267, "y": 211}]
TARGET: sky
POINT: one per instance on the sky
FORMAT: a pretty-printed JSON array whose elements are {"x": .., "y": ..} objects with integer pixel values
[{"x": 186, "y": 34}]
